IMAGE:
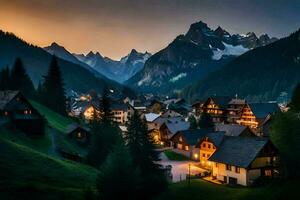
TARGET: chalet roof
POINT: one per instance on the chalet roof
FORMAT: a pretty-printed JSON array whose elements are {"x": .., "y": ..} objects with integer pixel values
[
  {"x": 6, "y": 96},
  {"x": 216, "y": 137},
  {"x": 262, "y": 110},
  {"x": 118, "y": 106},
  {"x": 74, "y": 126},
  {"x": 221, "y": 101},
  {"x": 194, "y": 136},
  {"x": 231, "y": 129},
  {"x": 239, "y": 151},
  {"x": 150, "y": 117},
  {"x": 176, "y": 124},
  {"x": 237, "y": 101},
  {"x": 171, "y": 113}
]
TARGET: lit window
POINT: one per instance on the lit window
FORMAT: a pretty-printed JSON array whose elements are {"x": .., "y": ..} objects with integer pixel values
[
  {"x": 237, "y": 170},
  {"x": 5, "y": 113},
  {"x": 79, "y": 135},
  {"x": 196, "y": 155},
  {"x": 25, "y": 112},
  {"x": 186, "y": 148},
  {"x": 180, "y": 139},
  {"x": 268, "y": 173}
]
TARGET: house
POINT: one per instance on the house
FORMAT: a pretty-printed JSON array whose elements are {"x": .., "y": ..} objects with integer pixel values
[
  {"x": 180, "y": 106},
  {"x": 80, "y": 134},
  {"x": 150, "y": 120},
  {"x": 216, "y": 106},
  {"x": 208, "y": 145},
  {"x": 156, "y": 106},
  {"x": 185, "y": 142},
  {"x": 17, "y": 110},
  {"x": 171, "y": 126},
  {"x": 121, "y": 112},
  {"x": 234, "y": 130},
  {"x": 234, "y": 110},
  {"x": 253, "y": 115},
  {"x": 241, "y": 160},
  {"x": 197, "y": 106}
]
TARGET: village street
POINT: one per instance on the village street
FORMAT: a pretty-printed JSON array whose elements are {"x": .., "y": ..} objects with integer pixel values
[{"x": 180, "y": 168}]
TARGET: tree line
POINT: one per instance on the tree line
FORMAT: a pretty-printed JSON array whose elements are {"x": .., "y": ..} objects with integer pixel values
[{"x": 49, "y": 92}]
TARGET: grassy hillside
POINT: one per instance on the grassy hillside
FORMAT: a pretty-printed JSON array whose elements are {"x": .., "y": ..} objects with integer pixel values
[
  {"x": 25, "y": 171},
  {"x": 200, "y": 190},
  {"x": 54, "y": 119}
]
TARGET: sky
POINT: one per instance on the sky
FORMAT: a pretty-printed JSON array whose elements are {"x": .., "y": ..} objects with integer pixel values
[{"x": 114, "y": 27}]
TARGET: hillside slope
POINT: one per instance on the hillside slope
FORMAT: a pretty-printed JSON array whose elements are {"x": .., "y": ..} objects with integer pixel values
[{"x": 260, "y": 74}]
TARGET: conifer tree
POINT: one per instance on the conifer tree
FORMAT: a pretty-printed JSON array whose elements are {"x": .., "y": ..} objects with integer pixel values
[
  {"x": 206, "y": 121},
  {"x": 105, "y": 134},
  {"x": 4, "y": 79},
  {"x": 54, "y": 92},
  {"x": 193, "y": 122},
  {"x": 118, "y": 179},
  {"x": 295, "y": 101},
  {"x": 19, "y": 79},
  {"x": 141, "y": 147}
]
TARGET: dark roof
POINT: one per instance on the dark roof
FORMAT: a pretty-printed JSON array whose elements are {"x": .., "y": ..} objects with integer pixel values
[
  {"x": 239, "y": 151},
  {"x": 118, "y": 106},
  {"x": 231, "y": 129},
  {"x": 216, "y": 137},
  {"x": 74, "y": 126},
  {"x": 6, "y": 96},
  {"x": 262, "y": 110},
  {"x": 221, "y": 101},
  {"x": 176, "y": 124},
  {"x": 194, "y": 136}
]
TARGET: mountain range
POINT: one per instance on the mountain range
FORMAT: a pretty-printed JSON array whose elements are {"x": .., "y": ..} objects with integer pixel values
[
  {"x": 261, "y": 74},
  {"x": 190, "y": 57},
  {"x": 119, "y": 71},
  {"x": 36, "y": 61}
]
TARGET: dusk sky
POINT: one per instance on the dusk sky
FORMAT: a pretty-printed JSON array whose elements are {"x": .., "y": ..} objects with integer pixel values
[{"x": 114, "y": 27}]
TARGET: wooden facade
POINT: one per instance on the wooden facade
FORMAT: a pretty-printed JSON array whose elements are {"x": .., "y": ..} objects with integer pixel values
[
  {"x": 217, "y": 112},
  {"x": 248, "y": 118}
]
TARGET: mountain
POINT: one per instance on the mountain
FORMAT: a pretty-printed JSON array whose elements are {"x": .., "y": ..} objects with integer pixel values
[
  {"x": 192, "y": 56},
  {"x": 117, "y": 70},
  {"x": 259, "y": 75},
  {"x": 37, "y": 61}
]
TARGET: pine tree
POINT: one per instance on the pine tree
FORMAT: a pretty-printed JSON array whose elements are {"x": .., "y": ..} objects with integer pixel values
[
  {"x": 105, "y": 134},
  {"x": 118, "y": 179},
  {"x": 54, "y": 92},
  {"x": 193, "y": 122},
  {"x": 4, "y": 79},
  {"x": 206, "y": 121},
  {"x": 141, "y": 147},
  {"x": 19, "y": 79},
  {"x": 295, "y": 101}
]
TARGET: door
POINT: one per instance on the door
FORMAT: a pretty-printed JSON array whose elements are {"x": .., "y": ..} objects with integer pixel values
[
  {"x": 232, "y": 181},
  {"x": 225, "y": 179}
]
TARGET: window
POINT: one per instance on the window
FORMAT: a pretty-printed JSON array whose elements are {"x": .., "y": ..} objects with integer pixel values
[
  {"x": 268, "y": 173},
  {"x": 203, "y": 155},
  {"x": 228, "y": 167},
  {"x": 209, "y": 146},
  {"x": 203, "y": 145},
  {"x": 186, "y": 148},
  {"x": 216, "y": 164},
  {"x": 237, "y": 170},
  {"x": 180, "y": 139},
  {"x": 79, "y": 135}
]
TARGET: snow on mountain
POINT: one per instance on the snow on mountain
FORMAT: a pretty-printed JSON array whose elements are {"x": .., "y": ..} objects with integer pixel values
[{"x": 229, "y": 50}]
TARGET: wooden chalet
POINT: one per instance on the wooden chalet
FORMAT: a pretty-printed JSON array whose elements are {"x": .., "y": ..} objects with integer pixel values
[
  {"x": 254, "y": 115},
  {"x": 80, "y": 134},
  {"x": 216, "y": 106},
  {"x": 234, "y": 110},
  {"x": 17, "y": 110},
  {"x": 241, "y": 160}
]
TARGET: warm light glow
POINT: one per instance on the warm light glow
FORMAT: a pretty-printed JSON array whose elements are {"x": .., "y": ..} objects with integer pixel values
[
  {"x": 89, "y": 113},
  {"x": 196, "y": 155}
]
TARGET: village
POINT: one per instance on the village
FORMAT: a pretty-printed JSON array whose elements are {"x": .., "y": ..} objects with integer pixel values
[{"x": 224, "y": 140}]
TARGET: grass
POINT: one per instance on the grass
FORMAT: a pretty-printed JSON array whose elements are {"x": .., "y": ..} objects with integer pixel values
[
  {"x": 24, "y": 170},
  {"x": 54, "y": 119},
  {"x": 200, "y": 190},
  {"x": 175, "y": 156}
]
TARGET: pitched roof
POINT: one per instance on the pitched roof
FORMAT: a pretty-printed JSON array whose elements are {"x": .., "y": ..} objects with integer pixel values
[
  {"x": 262, "y": 110},
  {"x": 231, "y": 129},
  {"x": 221, "y": 101},
  {"x": 150, "y": 117},
  {"x": 237, "y": 101},
  {"x": 6, "y": 96},
  {"x": 238, "y": 151},
  {"x": 216, "y": 137},
  {"x": 176, "y": 124},
  {"x": 74, "y": 126},
  {"x": 194, "y": 136},
  {"x": 171, "y": 113}
]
